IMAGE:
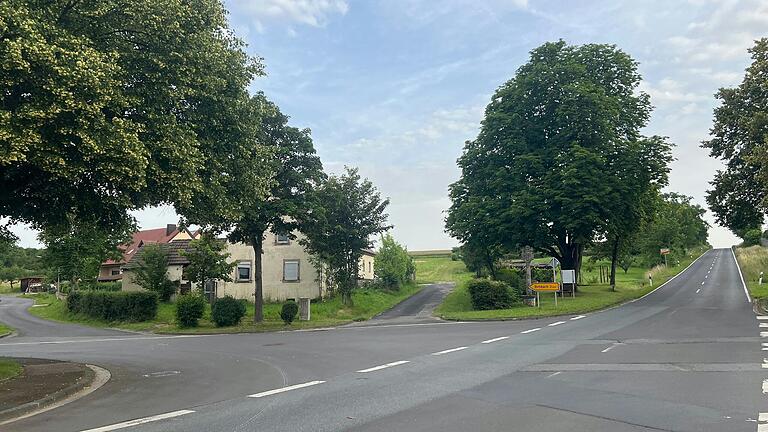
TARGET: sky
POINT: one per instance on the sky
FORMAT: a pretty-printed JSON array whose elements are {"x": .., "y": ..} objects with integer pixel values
[{"x": 395, "y": 87}]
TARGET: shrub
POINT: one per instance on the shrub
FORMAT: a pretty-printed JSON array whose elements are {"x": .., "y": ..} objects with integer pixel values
[
  {"x": 107, "y": 286},
  {"x": 487, "y": 294},
  {"x": 752, "y": 237},
  {"x": 514, "y": 278},
  {"x": 227, "y": 311},
  {"x": 288, "y": 312},
  {"x": 132, "y": 306},
  {"x": 393, "y": 266},
  {"x": 189, "y": 309}
]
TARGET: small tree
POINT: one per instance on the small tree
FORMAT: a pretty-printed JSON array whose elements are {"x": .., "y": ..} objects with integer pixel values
[
  {"x": 208, "y": 261},
  {"x": 347, "y": 211},
  {"x": 393, "y": 266},
  {"x": 11, "y": 274},
  {"x": 151, "y": 272}
]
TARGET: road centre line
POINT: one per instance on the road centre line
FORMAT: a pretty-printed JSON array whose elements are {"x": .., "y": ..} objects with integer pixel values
[
  {"x": 531, "y": 330},
  {"x": 449, "y": 351},
  {"x": 765, "y": 363},
  {"x": 556, "y": 323},
  {"x": 494, "y": 340},
  {"x": 140, "y": 421},
  {"x": 765, "y": 386},
  {"x": 554, "y": 374},
  {"x": 285, "y": 389},
  {"x": 384, "y": 366},
  {"x": 578, "y": 317},
  {"x": 702, "y": 282},
  {"x": 611, "y": 347}
]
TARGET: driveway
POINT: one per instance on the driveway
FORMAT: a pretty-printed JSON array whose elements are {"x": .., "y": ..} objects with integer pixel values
[{"x": 417, "y": 308}]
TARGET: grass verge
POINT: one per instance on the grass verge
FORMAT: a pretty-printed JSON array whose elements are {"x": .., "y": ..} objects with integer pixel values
[
  {"x": 366, "y": 304},
  {"x": 5, "y": 330},
  {"x": 9, "y": 368},
  {"x": 752, "y": 261},
  {"x": 630, "y": 285}
]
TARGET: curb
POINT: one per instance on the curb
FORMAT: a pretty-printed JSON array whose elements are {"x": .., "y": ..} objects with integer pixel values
[{"x": 53, "y": 400}]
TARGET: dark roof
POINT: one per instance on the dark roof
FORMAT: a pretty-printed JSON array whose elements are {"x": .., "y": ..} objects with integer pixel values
[
  {"x": 370, "y": 252},
  {"x": 155, "y": 235},
  {"x": 173, "y": 249}
]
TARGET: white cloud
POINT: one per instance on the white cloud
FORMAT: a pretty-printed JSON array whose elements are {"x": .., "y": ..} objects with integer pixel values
[{"x": 314, "y": 13}]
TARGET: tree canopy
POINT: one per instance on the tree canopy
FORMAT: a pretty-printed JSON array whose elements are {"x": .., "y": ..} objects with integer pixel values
[
  {"x": 739, "y": 197},
  {"x": 559, "y": 157},
  {"x": 112, "y": 105}
]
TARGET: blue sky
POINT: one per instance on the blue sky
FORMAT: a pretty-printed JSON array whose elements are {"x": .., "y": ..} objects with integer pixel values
[{"x": 395, "y": 87}]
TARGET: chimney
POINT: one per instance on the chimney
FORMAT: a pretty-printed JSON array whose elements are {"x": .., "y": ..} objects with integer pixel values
[{"x": 170, "y": 228}]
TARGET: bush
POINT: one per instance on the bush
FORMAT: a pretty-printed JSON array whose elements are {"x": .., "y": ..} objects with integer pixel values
[
  {"x": 752, "y": 237},
  {"x": 393, "y": 266},
  {"x": 189, "y": 309},
  {"x": 487, "y": 294},
  {"x": 131, "y": 306},
  {"x": 288, "y": 312},
  {"x": 514, "y": 278},
  {"x": 227, "y": 311},
  {"x": 107, "y": 286}
]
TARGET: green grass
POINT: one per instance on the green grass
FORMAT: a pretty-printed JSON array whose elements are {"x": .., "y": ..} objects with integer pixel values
[
  {"x": 366, "y": 304},
  {"x": 4, "y": 329},
  {"x": 9, "y": 368},
  {"x": 440, "y": 268},
  {"x": 5, "y": 288},
  {"x": 458, "y": 306},
  {"x": 752, "y": 261}
]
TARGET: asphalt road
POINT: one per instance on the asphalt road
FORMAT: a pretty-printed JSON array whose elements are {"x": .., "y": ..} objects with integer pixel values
[
  {"x": 685, "y": 358},
  {"x": 416, "y": 308}
]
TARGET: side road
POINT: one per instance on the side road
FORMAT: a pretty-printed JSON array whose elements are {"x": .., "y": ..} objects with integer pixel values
[{"x": 13, "y": 311}]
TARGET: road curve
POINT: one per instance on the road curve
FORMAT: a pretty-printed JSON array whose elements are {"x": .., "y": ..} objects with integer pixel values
[{"x": 685, "y": 358}]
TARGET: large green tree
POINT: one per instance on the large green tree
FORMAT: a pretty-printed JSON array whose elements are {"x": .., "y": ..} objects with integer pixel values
[
  {"x": 207, "y": 257},
  {"x": 541, "y": 171},
  {"x": 111, "y": 105},
  {"x": 249, "y": 208},
  {"x": 739, "y": 197},
  {"x": 677, "y": 224},
  {"x": 347, "y": 211}
]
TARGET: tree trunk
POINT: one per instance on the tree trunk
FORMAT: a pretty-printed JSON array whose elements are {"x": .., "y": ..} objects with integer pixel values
[
  {"x": 571, "y": 259},
  {"x": 614, "y": 259},
  {"x": 489, "y": 263},
  {"x": 258, "y": 294}
]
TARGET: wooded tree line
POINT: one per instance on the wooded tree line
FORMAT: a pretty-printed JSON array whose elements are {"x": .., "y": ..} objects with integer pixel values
[
  {"x": 560, "y": 164},
  {"x": 739, "y": 197},
  {"x": 109, "y": 106}
]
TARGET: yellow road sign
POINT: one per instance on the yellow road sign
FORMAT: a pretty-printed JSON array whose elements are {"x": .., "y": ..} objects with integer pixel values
[{"x": 545, "y": 286}]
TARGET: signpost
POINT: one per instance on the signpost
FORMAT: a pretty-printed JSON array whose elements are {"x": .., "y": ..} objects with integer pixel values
[
  {"x": 664, "y": 252},
  {"x": 545, "y": 287},
  {"x": 569, "y": 277}
]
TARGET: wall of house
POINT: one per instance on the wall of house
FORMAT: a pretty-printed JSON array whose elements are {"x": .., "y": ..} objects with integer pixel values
[
  {"x": 366, "y": 267},
  {"x": 129, "y": 282},
  {"x": 105, "y": 271}
]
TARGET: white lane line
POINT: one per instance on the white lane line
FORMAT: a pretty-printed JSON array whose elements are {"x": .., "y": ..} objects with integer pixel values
[
  {"x": 140, "y": 421},
  {"x": 763, "y": 334},
  {"x": 765, "y": 363},
  {"x": 556, "y": 323},
  {"x": 554, "y": 374},
  {"x": 531, "y": 330},
  {"x": 765, "y": 386},
  {"x": 384, "y": 366},
  {"x": 741, "y": 275},
  {"x": 763, "y": 325},
  {"x": 702, "y": 282},
  {"x": 495, "y": 340},
  {"x": 763, "y": 417},
  {"x": 762, "y": 317},
  {"x": 449, "y": 351},
  {"x": 706, "y": 276},
  {"x": 611, "y": 347},
  {"x": 285, "y": 389},
  {"x": 578, "y": 317},
  {"x": 698, "y": 290}
]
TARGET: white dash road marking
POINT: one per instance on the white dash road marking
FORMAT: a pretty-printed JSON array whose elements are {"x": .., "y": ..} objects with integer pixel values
[
  {"x": 578, "y": 317},
  {"x": 285, "y": 389},
  {"x": 495, "y": 340},
  {"x": 384, "y": 366},
  {"x": 765, "y": 363},
  {"x": 763, "y": 334},
  {"x": 554, "y": 374},
  {"x": 765, "y": 386},
  {"x": 763, "y": 325},
  {"x": 140, "y": 421},
  {"x": 531, "y": 330},
  {"x": 762, "y": 317},
  {"x": 698, "y": 290},
  {"x": 556, "y": 323},
  {"x": 611, "y": 347},
  {"x": 702, "y": 282},
  {"x": 449, "y": 351}
]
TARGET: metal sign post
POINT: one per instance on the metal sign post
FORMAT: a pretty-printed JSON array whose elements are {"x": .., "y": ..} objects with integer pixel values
[{"x": 552, "y": 287}]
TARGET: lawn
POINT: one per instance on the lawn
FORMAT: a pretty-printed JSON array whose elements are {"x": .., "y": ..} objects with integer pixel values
[
  {"x": 752, "y": 261},
  {"x": 594, "y": 296},
  {"x": 4, "y": 329},
  {"x": 9, "y": 368},
  {"x": 366, "y": 304},
  {"x": 440, "y": 268}
]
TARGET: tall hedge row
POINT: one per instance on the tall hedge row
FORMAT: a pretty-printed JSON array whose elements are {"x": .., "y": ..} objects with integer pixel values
[{"x": 131, "y": 306}]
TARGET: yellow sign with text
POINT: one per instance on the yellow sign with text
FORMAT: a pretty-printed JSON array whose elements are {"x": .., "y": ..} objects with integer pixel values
[{"x": 545, "y": 286}]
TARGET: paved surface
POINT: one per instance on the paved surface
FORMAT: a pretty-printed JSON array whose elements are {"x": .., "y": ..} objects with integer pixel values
[
  {"x": 418, "y": 307},
  {"x": 685, "y": 358}
]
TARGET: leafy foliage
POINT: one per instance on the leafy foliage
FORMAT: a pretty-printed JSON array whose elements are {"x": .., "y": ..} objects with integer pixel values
[
  {"x": 130, "y": 306},
  {"x": 555, "y": 158},
  {"x": 227, "y": 311},
  {"x": 676, "y": 224},
  {"x": 288, "y": 312},
  {"x": 752, "y": 237},
  {"x": 207, "y": 261},
  {"x": 345, "y": 213},
  {"x": 487, "y": 294},
  {"x": 189, "y": 309},
  {"x": 739, "y": 198},
  {"x": 393, "y": 266},
  {"x": 151, "y": 273}
]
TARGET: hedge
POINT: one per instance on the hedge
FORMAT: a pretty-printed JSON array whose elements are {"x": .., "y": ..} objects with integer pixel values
[
  {"x": 131, "y": 306},
  {"x": 487, "y": 294}
]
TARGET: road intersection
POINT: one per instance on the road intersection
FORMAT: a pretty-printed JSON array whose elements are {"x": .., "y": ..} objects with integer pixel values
[{"x": 688, "y": 357}]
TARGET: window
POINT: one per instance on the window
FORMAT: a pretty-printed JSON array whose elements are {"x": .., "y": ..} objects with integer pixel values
[
  {"x": 291, "y": 271},
  {"x": 244, "y": 271},
  {"x": 370, "y": 265},
  {"x": 115, "y": 272},
  {"x": 282, "y": 239}
]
